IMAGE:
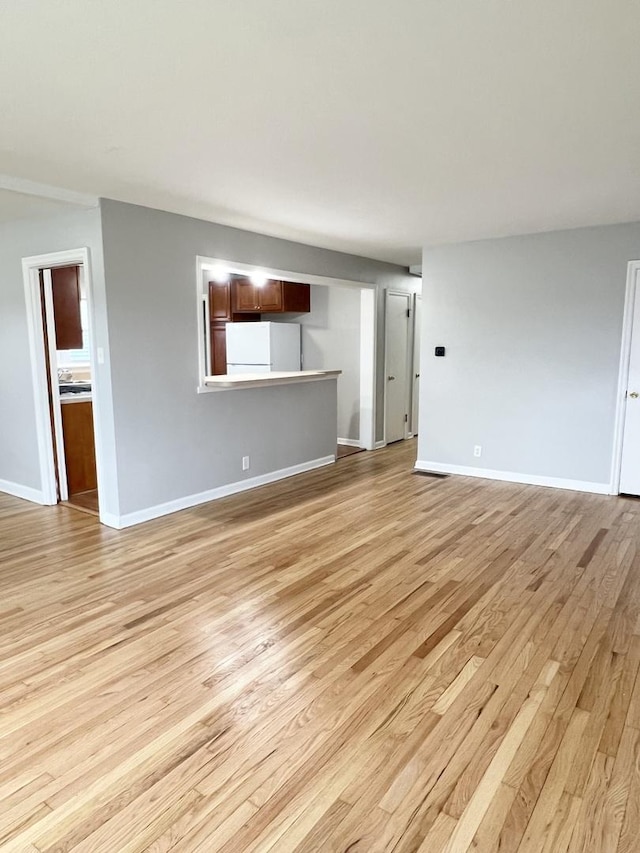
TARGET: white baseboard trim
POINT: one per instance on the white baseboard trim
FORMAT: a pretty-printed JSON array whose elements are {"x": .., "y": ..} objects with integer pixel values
[
  {"x": 131, "y": 518},
  {"x": 349, "y": 442},
  {"x": 510, "y": 477},
  {"x": 111, "y": 520},
  {"x": 380, "y": 444},
  {"x": 24, "y": 492}
]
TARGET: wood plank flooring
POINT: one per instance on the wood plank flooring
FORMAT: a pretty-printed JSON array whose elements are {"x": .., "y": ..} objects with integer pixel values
[
  {"x": 346, "y": 450},
  {"x": 359, "y": 659},
  {"x": 84, "y": 501}
]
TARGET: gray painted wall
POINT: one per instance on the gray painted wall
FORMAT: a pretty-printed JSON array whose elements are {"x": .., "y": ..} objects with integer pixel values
[
  {"x": 532, "y": 327},
  {"x": 19, "y": 462},
  {"x": 172, "y": 442},
  {"x": 330, "y": 337}
]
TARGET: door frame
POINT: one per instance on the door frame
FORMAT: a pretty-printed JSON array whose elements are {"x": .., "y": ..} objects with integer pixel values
[
  {"x": 633, "y": 281},
  {"x": 368, "y": 330},
  {"x": 415, "y": 363},
  {"x": 52, "y": 367},
  {"x": 408, "y": 357},
  {"x": 37, "y": 313}
]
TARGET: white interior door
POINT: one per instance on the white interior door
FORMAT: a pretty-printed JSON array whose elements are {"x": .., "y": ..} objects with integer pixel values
[
  {"x": 415, "y": 374},
  {"x": 630, "y": 469},
  {"x": 397, "y": 385}
]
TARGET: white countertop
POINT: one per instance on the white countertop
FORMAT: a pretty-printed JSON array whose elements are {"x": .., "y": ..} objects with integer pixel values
[
  {"x": 82, "y": 397},
  {"x": 259, "y": 380}
]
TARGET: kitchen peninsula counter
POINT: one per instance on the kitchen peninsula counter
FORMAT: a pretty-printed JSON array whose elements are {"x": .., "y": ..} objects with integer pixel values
[{"x": 229, "y": 382}]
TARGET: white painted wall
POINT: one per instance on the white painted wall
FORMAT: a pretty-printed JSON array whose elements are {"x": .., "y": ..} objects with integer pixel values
[
  {"x": 19, "y": 465},
  {"x": 172, "y": 442},
  {"x": 166, "y": 442},
  {"x": 331, "y": 340},
  {"x": 532, "y": 327}
]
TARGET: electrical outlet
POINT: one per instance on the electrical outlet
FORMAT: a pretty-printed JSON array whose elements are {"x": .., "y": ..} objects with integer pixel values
[
  {"x": 245, "y": 463},
  {"x": 477, "y": 450}
]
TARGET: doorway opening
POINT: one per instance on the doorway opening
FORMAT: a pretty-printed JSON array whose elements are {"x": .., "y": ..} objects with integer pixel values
[
  {"x": 415, "y": 367},
  {"x": 69, "y": 380},
  {"x": 58, "y": 293},
  {"x": 398, "y": 365},
  {"x": 625, "y": 469}
]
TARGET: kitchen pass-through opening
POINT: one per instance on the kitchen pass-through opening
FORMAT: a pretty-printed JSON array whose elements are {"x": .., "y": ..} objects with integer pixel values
[{"x": 244, "y": 314}]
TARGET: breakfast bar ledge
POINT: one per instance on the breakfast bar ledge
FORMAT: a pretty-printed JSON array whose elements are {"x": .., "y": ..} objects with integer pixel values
[{"x": 258, "y": 380}]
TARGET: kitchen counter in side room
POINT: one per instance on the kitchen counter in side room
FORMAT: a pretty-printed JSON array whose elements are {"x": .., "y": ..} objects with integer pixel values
[{"x": 261, "y": 379}]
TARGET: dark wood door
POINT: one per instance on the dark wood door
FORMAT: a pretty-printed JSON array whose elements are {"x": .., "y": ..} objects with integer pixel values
[
  {"x": 79, "y": 446},
  {"x": 65, "y": 283}
]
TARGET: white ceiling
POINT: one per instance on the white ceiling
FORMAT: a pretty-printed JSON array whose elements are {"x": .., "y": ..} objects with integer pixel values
[{"x": 368, "y": 126}]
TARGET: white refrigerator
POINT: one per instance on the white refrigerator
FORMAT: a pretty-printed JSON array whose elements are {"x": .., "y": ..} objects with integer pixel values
[{"x": 262, "y": 347}]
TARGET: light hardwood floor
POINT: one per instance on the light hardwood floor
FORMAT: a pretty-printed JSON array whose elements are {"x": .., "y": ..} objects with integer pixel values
[{"x": 356, "y": 659}]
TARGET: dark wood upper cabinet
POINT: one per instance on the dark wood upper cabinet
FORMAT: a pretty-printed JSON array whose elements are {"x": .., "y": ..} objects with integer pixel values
[
  {"x": 219, "y": 300},
  {"x": 239, "y": 300},
  {"x": 274, "y": 297},
  {"x": 245, "y": 296},
  {"x": 295, "y": 297},
  {"x": 65, "y": 282},
  {"x": 270, "y": 296},
  {"x": 221, "y": 313}
]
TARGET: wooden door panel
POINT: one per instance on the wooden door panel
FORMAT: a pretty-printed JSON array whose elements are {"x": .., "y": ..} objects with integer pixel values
[
  {"x": 296, "y": 297},
  {"x": 244, "y": 296},
  {"x": 79, "y": 446},
  {"x": 65, "y": 283},
  {"x": 218, "y": 349},
  {"x": 219, "y": 301},
  {"x": 270, "y": 296}
]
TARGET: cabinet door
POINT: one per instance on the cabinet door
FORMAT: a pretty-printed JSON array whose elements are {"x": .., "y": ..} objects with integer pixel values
[
  {"x": 245, "y": 296},
  {"x": 218, "y": 349},
  {"x": 219, "y": 301},
  {"x": 296, "y": 297},
  {"x": 79, "y": 446},
  {"x": 270, "y": 296},
  {"x": 65, "y": 284}
]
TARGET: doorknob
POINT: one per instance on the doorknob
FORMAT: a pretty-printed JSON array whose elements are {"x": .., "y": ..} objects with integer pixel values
[
  {"x": 634, "y": 395},
  {"x": 393, "y": 377}
]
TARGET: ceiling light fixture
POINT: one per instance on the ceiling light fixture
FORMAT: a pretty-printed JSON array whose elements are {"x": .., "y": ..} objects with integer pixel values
[
  {"x": 258, "y": 279},
  {"x": 220, "y": 274}
]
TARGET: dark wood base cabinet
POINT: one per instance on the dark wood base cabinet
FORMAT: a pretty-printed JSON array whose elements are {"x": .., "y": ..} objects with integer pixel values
[{"x": 79, "y": 446}]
